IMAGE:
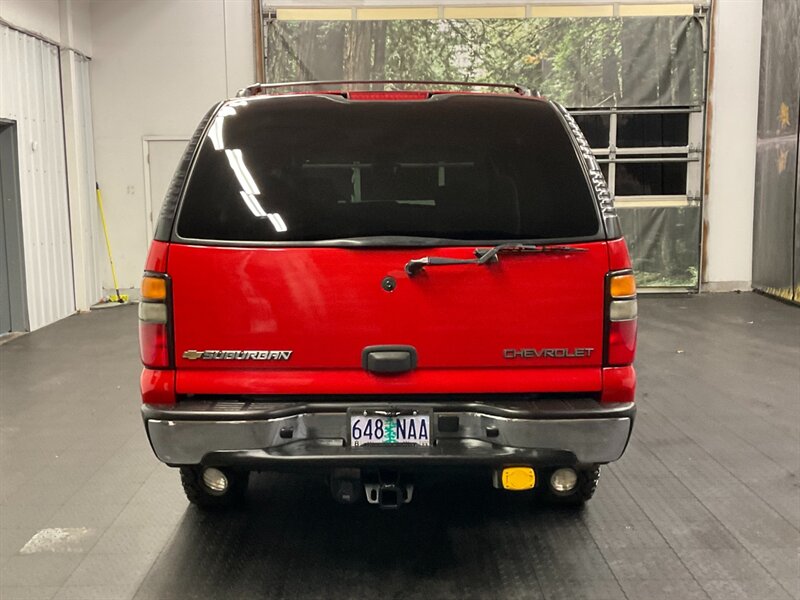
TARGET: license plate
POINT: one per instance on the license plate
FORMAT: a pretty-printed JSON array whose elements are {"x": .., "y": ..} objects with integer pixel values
[{"x": 385, "y": 431}]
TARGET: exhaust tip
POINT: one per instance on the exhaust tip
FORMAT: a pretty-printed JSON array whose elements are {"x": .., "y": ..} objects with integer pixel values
[
  {"x": 215, "y": 480},
  {"x": 563, "y": 480}
]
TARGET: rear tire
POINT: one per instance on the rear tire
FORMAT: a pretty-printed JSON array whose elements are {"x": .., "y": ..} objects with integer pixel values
[
  {"x": 203, "y": 497},
  {"x": 580, "y": 494}
]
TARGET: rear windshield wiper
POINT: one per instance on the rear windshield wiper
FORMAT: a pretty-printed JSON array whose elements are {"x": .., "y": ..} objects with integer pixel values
[{"x": 483, "y": 256}]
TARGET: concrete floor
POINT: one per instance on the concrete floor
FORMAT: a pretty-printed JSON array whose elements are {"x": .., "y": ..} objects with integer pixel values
[{"x": 705, "y": 504}]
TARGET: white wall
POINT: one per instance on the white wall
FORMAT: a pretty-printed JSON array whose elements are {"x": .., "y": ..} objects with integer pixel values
[
  {"x": 39, "y": 16},
  {"x": 80, "y": 27},
  {"x": 44, "y": 17},
  {"x": 157, "y": 68},
  {"x": 733, "y": 111}
]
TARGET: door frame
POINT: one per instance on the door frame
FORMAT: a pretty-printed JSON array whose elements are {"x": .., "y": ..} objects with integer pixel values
[
  {"x": 16, "y": 277},
  {"x": 148, "y": 197}
]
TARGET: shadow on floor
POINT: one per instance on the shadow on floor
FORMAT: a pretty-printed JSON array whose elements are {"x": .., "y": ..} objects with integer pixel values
[{"x": 292, "y": 540}]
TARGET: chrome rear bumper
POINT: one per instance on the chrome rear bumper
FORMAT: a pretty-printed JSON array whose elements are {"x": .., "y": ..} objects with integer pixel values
[{"x": 272, "y": 435}]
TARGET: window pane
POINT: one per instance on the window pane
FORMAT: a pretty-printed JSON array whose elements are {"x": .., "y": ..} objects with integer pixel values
[
  {"x": 648, "y": 130},
  {"x": 312, "y": 168},
  {"x": 650, "y": 179},
  {"x": 594, "y": 127},
  {"x": 664, "y": 244}
]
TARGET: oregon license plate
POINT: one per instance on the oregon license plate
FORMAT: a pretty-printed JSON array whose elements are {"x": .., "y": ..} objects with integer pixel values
[{"x": 387, "y": 430}]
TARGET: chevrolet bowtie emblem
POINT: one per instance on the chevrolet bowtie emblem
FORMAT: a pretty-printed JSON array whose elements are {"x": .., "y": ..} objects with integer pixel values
[{"x": 192, "y": 354}]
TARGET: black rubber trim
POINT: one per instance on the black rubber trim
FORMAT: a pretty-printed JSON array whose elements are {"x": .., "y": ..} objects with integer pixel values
[
  {"x": 169, "y": 208},
  {"x": 311, "y": 455},
  {"x": 609, "y": 221},
  {"x": 194, "y": 410}
]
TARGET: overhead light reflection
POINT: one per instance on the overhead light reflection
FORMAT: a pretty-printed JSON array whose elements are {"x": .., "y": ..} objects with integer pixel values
[
  {"x": 215, "y": 134},
  {"x": 215, "y": 131},
  {"x": 235, "y": 158},
  {"x": 277, "y": 222},
  {"x": 241, "y": 172},
  {"x": 253, "y": 204}
]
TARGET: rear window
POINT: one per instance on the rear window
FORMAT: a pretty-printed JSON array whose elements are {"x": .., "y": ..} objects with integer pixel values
[{"x": 316, "y": 168}]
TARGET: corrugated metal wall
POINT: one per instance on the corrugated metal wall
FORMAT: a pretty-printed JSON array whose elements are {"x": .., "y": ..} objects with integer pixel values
[
  {"x": 30, "y": 94},
  {"x": 90, "y": 225}
]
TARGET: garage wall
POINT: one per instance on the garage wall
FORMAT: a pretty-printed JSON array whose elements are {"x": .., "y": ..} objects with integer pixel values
[
  {"x": 30, "y": 94},
  {"x": 87, "y": 232},
  {"x": 65, "y": 22},
  {"x": 732, "y": 112},
  {"x": 40, "y": 17},
  {"x": 157, "y": 68},
  {"x": 51, "y": 98}
]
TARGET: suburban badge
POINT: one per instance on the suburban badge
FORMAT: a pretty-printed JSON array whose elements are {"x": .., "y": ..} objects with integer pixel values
[{"x": 238, "y": 354}]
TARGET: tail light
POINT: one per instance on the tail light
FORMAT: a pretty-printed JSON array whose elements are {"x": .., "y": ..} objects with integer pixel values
[
  {"x": 155, "y": 344},
  {"x": 621, "y": 315}
]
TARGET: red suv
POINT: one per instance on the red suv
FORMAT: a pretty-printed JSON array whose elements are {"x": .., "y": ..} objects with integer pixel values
[{"x": 372, "y": 285}]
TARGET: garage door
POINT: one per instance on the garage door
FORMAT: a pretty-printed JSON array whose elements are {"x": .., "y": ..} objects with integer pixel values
[
  {"x": 776, "y": 231},
  {"x": 633, "y": 75}
]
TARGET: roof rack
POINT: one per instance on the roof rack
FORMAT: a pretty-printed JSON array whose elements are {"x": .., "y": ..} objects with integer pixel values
[{"x": 260, "y": 88}]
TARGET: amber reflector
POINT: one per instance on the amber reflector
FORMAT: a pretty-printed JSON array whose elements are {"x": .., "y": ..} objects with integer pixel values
[{"x": 518, "y": 478}]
